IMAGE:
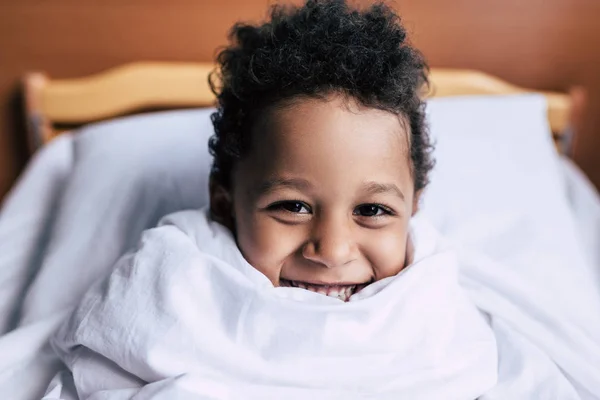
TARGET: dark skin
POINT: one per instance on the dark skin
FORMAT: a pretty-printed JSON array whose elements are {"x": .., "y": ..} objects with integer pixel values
[{"x": 324, "y": 196}]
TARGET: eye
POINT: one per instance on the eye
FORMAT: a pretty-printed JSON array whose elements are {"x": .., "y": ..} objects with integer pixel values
[
  {"x": 371, "y": 210},
  {"x": 295, "y": 207}
]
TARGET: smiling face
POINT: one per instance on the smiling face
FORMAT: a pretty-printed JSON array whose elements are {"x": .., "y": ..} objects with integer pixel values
[{"x": 324, "y": 197}]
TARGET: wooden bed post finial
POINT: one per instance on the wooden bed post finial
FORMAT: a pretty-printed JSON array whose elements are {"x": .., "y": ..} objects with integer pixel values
[{"x": 39, "y": 128}]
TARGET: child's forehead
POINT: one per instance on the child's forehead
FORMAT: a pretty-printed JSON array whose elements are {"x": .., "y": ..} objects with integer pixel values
[
  {"x": 323, "y": 119},
  {"x": 318, "y": 137}
]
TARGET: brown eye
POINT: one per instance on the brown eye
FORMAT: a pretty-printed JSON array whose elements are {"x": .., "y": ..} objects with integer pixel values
[
  {"x": 295, "y": 207},
  {"x": 370, "y": 210}
]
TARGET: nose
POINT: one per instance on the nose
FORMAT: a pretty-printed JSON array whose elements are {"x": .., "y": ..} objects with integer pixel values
[{"x": 331, "y": 243}]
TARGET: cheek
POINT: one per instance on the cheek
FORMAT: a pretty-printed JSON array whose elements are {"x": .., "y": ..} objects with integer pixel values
[
  {"x": 386, "y": 250},
  {"x": 265, "y": 243}
]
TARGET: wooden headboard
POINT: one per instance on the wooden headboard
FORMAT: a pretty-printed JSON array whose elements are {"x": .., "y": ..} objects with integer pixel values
[
  {"x": 550, "y": 45},
  {"x": 51, "y": 103}
]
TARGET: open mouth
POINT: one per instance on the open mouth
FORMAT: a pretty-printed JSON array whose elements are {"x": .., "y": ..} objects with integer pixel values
[{"x": 338, "y": 291}]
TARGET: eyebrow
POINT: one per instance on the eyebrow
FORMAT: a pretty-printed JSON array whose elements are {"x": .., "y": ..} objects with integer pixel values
[
  {"x": 272, "y": 184},
  {"x": 383, "y": 188}
]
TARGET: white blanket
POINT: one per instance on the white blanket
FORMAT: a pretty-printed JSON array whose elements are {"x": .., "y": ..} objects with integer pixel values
[{"x": 186, "y": 315}]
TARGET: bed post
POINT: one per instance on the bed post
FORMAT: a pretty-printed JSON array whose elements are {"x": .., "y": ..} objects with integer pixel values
[{"x": 39, "y": 128}]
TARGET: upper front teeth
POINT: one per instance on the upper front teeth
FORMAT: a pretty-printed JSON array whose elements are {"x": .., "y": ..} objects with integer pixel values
[{"x": 340, "y": 292}]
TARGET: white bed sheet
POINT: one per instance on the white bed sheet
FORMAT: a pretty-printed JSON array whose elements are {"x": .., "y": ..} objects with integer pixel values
[
  {"x": 128, "y": 174},
  {"x": 26, "y": 219}
]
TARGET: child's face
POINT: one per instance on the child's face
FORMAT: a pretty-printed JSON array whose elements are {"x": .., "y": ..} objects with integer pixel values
[{"x": 324, "y": 197}]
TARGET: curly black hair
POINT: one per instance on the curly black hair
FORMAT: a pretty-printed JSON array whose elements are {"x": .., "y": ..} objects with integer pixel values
[{"x": 321, "y": 48}]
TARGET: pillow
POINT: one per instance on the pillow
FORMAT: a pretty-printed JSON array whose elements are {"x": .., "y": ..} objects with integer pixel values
[
  {"x": 127, "y": 174},
  {"x": 492, "y": 153},
  {"x": 496, "y": 166},
  {"x": 25, "y": 221},
  {"x": 498, "y": 186}
]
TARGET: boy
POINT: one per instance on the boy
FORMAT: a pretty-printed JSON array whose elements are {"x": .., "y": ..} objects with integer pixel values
[{"x": 308, "y": 277}]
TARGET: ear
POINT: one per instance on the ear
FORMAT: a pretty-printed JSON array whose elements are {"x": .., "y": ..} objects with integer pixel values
[
  {"x": 221, "y": 204},
  {"x": 416, "y": 199}
]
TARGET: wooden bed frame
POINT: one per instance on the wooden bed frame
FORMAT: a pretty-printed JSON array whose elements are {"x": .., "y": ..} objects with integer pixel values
[{"x": 51, "y": 105}]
